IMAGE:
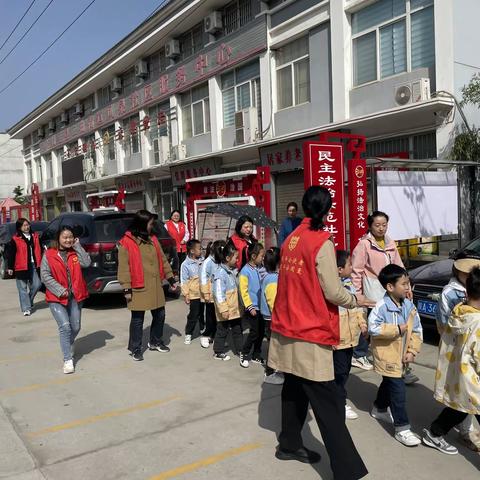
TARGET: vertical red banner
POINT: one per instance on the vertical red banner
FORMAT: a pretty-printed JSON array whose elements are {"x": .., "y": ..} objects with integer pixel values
[
  {"x": 323, "y": 164},
  {"x": 357, "y": 194}
]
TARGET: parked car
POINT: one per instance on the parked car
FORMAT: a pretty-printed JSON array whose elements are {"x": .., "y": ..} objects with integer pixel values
[
  {"x": 99, "y": 233},
  {"x": 7, "y": 230},
  {"x": 429, "y": 280}
]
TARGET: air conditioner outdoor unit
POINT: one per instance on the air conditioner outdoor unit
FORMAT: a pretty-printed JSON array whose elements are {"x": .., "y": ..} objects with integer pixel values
[
  {"x": 78, "y": 109},
  {"x": 161, "y": 150},
  {"x": 179, "y": 152},
  {"x": 213, "y": 22},
  {"x": 172, "y": 49},
  {"x": 141, "y": 69},
  {"x": 41, "y": 132},
  {"x": 64, "y": 118},
  {"x": 116, "y": 85},
  {"x": 413, "y": 92},
  {"x": 51, "y": 126},
  {"x": 246, "y": 126}
]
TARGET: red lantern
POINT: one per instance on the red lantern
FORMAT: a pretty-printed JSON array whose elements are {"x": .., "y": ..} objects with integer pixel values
[
  {"x": 132, "y": 127},
  {"x": 84, "y": 147},
  {"x": 161, "y": 118}
]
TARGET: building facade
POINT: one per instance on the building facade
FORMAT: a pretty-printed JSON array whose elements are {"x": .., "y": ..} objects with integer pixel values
[
  {"x": 11, "y": 165},
  {"x": 206, "y": 87}
]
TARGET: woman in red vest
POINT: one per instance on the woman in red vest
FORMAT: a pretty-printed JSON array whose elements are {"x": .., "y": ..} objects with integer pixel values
[
  {"x": 24, "y": 255},
  {"x": 305, "y": 326},
  {"x": 142, "y": 267},
  {"x": 179, "y": 232},
  {"x": 242, "y": 238},
  {"x": 61, "y": 272}
]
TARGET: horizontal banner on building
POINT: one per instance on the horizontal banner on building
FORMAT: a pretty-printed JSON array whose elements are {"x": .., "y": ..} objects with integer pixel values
[
  {"x": 284, "y": 156},
  {"x": 209, "y": 62},
  {"x": 204, "y": 168}
]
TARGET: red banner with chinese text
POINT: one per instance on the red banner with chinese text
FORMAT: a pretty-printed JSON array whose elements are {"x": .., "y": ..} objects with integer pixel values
[
  {"x": 357, "y": 196},
  {"x": 323, "y": 164}
]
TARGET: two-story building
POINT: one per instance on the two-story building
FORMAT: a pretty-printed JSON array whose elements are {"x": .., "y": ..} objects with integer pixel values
[{"x": 206, "y": 87}]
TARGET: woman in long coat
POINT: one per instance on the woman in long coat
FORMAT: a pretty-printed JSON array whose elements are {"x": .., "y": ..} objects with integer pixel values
[
  {"x": 305, "y": 327},
  {"x": 142, "y": 267}
]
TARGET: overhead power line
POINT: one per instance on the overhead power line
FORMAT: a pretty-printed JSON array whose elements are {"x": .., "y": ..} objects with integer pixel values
[
  {"x": 48, "y": 48},
  {"x": 18, "y": 23},
  {"x": 26, "y": 33}
]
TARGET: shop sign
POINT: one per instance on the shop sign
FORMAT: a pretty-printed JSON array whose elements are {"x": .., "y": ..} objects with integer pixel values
[
  {"x": 208, "y": 63},
  {"x": 357, "y": 195},
  {"x": 283, "y": 157},
  {"x": 73, "y": 195},
  {"x": 223, "y": 188},
  {"x": 180, "y": 173},
  {"x": 131, "y": 185},
  {"x": 324, "y": 167}
]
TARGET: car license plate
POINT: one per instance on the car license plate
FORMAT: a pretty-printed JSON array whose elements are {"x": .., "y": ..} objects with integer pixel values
[{"x": 426, "y": 307}]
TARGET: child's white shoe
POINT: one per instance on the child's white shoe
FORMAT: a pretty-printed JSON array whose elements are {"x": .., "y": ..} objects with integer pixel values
[
  {"x": 385, "y": 416},
  {"x": 188, "y": 340},
  {"x": 408, "y": 438},
  {"x": 204, "y": 342},
  {"x": 350, "y": 413}
]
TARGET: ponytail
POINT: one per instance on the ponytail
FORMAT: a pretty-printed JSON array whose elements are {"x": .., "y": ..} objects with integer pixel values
[
  {"x": 316, "y": 203},
  {"x": 223, "y": 251}
]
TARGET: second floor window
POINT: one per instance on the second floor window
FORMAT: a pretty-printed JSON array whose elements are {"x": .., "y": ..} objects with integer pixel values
[
  {"x": 191, "y": 42},
  {"x": 128, "y": 81},
  {"x": 157, "y": 63},
  {"x": 131, "y": 127},
  {"x": 104, "y": 96},
  {"x": 49, "y": 165},
  {"x": 293, "y": 74},
  {"x": 108, "y": 142},
  {"x": 195, "y": 111},
  {"x": 38, "y": 166},
  {"x": 380, "y": 32},
  {"x": 240, "y": 90}
]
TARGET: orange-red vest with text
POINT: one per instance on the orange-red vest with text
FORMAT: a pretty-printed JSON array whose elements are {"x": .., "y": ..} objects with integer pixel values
[
  {"x": 301, "y": 310},
  {"x": 177, "y": 235},
  {"x": 21, "y": 260}
]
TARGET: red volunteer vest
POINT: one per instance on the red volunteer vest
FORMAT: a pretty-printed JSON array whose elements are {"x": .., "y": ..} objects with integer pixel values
[
  {"x": 135, "y": 259},
  {"x": 177, "y": 235},
  {"x": 301, "y": 310},
  {"x": 21, "y": 260},
  {"x": 241, "y": 244},
  {"x": 59, "y": 273}
]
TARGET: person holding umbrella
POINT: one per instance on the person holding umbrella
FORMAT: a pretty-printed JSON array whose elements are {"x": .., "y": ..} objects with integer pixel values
[{"x": 304, "y": 330}]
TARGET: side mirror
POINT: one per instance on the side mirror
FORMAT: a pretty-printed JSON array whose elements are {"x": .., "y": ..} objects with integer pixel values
[{"x": 453, "y": 253}]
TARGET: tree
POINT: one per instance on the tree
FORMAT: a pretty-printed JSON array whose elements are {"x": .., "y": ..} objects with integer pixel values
[{"x": 18, "y": 195}]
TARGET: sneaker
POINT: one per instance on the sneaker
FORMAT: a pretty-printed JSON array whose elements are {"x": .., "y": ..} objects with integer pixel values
[
  {"x": 350, "y": 413},
  {"x": 409, "y": 377},
  {"x": 68, "y": 367},
  {"x": 137, "y": 356},
  {"x": 221, "y": 356},
  {"x": 204, "y": 342},
  {"x": 408, "y": 438},
  {"x": 27, "y": 313},
  {"x": 385, "y": 416},
  {"x": 259, "y": 360},
  {"x": 244, "y": 361},
  {"x": 159, "y": 348},
  {"x": 362, "y": 362},
  {"x": 275, "y": 378},
  {"x": 471, "y": 440},
  {"x": 188, "y": 340},
  {"x": 438, "y": 442}
]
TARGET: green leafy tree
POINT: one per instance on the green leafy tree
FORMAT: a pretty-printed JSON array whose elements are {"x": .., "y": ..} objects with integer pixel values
[{"x": 19, "y": 197}]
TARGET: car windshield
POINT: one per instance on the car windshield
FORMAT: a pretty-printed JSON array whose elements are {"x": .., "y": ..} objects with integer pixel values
[
  {"x": 473, "y": 247},
  {"x": 111, "y": 229}
]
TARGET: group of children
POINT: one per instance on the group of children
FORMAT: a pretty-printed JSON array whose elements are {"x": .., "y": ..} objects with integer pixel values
[
  {"x": 220, "y": 297},
  {"x": 227, "y": 296}
]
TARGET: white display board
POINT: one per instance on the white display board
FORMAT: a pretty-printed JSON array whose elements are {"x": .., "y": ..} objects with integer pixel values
[{"x": 420, "y": 204}]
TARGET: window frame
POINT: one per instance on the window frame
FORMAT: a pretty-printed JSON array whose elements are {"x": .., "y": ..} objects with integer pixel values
[
  {"x": 291, "y": 64},
  {"x": 406, "y": 17},
  {"x": 190, "y": 106}
]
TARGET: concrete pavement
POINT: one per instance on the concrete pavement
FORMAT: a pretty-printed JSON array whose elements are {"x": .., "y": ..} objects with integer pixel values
[{"x": 178, "y": 415}]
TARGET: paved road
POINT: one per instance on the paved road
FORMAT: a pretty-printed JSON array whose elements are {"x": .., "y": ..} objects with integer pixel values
[{"x": 179, "y": 415}]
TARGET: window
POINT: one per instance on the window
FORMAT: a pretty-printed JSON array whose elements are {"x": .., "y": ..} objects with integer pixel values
[
  {"x": 380, "y": 32},
  {"x": 240, "y": 90},
  {"x": 159, "y": 127},
  {"x": 195, "y": 111},
  {"x": 131, "y": 129},
  {"x": 104, "y": 96},
  {"x": 91, "y": 151},
  {"x": 38, "y": 168},
  {"x": 236, "y": 14},
  {"x": 157, "y": 63},
  {"x": 293, "y": 74},
  {"x": 191, "y": 42},
  {"x": 49, "y": 165},
  {"x": 89, "y": 104},
  {"x": 108, "y": 142},
  {"x": 128, "y": 81}
]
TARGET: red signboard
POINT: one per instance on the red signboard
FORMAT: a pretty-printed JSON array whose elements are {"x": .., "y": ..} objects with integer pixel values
[
  {"x": 36, "y": 207},
  {"x": 323, "y": 164},
  {"x": 357, "y": 196}
]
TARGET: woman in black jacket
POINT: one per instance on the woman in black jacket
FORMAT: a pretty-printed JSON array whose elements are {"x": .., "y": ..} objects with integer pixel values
[{"x": 24, "y": 255}]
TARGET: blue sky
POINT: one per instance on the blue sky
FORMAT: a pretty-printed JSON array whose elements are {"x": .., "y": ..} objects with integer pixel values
[{"x": 104, "y": 24}]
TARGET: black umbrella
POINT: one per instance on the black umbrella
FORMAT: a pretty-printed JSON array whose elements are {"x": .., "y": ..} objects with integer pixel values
[{"x": 236, "y": 211}]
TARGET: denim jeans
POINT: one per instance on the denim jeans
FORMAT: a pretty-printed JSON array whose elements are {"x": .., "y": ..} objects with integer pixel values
[
  {"x": 27, "y": 289},
  {"x": 361, "y": 350},
  {"x": 391, "y": 393},
  {"x": 68, "y": 321}
]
